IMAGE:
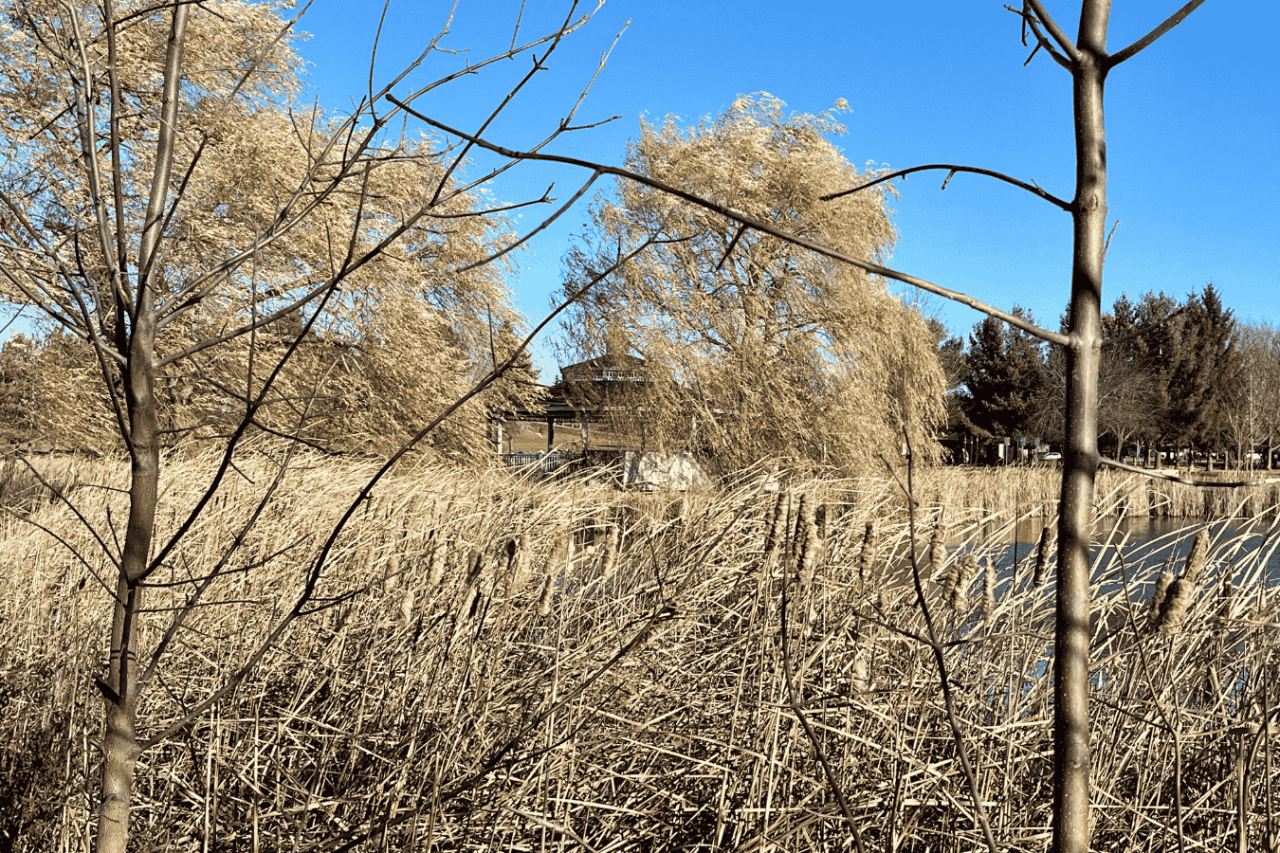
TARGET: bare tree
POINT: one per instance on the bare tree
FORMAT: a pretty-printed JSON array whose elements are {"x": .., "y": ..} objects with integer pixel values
[
  {"x": 127, "y": 218},
  {"x": 1253, "y": 415}
]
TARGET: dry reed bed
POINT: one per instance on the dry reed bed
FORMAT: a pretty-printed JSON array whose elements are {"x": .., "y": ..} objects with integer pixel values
[
  {"x": 558, "y": 667},
  {"x": 1034, "y": 490}
]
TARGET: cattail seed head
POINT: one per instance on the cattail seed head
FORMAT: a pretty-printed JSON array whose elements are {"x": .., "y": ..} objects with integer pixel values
[
  {"x": 406, "y": 606},
  {"x": 511, "y": 551},
  {"x": 1042, "y": 555},
  {"x": 1176, "y": 605},
  {"x": 559, "y": 556},
  {"x": 478, "y": 593},
  {"x": 516, "y": 562},
  {"x": 544, "y": 599},
  {"x": 861, "y": 673},
  {"x": 1158, "y": 598},
  {"x": 1176, "y": 602},
  {"x": 867, "y": 557},
  {"x": 820, "y": 519},
  {"x": 475, "y": 566},
  {"x": 988, "y": 593},
  {"x": 771, "y": 544},
  {"x": 795, "y": 526},
  {"x": 437, "y": 556},
  {"x": 1195, "y": 558},
  {"x": 963, "y": 576},
  {"x": 809, "y": 545},
  {"x": 612, "y": 539}
]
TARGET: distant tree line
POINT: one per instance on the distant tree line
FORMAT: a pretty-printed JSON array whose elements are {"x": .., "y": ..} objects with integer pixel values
[{"x": 1174, "y": 375}]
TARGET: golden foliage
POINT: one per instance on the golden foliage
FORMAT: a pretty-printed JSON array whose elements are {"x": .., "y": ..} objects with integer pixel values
[{"x": 754, "y": 347}]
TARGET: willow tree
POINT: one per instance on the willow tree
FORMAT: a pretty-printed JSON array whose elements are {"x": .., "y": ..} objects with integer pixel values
[
  {"x": 753, "y": 346},
  {"x": 266, "y": 204}
]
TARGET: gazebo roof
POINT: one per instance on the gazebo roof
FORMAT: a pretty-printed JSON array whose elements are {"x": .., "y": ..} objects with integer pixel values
[{"x": 611, "y": 366}]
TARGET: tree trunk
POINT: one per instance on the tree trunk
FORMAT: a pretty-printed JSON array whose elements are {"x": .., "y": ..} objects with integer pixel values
[
  {"x": 121, "y": 689},
  {"x": 1071, "y": 647}
]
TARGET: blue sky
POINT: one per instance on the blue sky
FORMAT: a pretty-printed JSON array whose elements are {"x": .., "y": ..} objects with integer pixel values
[{"x": 1192, "y": 124}]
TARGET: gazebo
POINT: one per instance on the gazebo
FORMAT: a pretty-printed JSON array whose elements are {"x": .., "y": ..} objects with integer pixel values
[{"x": 589, "y": 391}]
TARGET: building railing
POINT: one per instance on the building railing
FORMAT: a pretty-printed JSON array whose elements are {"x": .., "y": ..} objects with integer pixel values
[{"x": 546, "y": 463}]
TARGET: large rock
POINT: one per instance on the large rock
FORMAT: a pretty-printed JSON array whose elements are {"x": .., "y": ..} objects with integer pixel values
[{"x": 674, "y": 471}]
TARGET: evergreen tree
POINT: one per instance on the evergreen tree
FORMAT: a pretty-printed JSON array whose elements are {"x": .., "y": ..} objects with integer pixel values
[
  {"x": 1004, "y": 377},
  {"x": 1205, "y": 378}
]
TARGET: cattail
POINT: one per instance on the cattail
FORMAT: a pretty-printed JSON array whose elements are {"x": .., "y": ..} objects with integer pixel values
[
  {"x": 511, "y": 550},
  {"x": 820, "y": 519},
  {"x": 1195, "y": 560},
  {"x": 477, "y": 595},
  {"x": 988, "y": 593},
  {"x": 807, "y": 531},
  {"x": 559, "y": 555},
  {"x": 868, "y": 552},
  {"x": 1042, "y": 556},
  {"x": 1177, "y": 602},
  {"x": 936, "y": 547},
  {"x": 612, "y": 539},
  {"x": 437, "y": 556},
  {"x": 861, "y": 677},
  {"x": 948, "y": 581},
  {"x": 796, "y": 525},
  {"x": 1157, "y": 598},
  {"x": 544, "y": 599},
  {"x": 516, "y": 563},
  {"x": 475, "y": 565},
  {"x": 963, "y": 576},
  {"x": 771, "y": 544}
]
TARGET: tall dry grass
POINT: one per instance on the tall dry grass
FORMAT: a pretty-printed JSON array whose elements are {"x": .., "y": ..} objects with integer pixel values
[{"x": 511, "y": 665}]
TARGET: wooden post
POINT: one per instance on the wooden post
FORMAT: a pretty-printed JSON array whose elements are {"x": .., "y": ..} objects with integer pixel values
[{"x": 551, "y": 432}]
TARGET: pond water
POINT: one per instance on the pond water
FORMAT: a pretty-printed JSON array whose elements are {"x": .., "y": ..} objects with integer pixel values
[{"x": 1145, "y": 545}]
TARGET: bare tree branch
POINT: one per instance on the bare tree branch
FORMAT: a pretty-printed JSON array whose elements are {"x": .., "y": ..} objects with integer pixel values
[
  {"x": 1042, "y": 16},
  {"x": 546, "y": 223},
  {"x": 1000, "y": 176},
  {"x": 1147, "y": 40},
  {"x": 1042, "y": 41},
  {"x": 764, "y": 227}
]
